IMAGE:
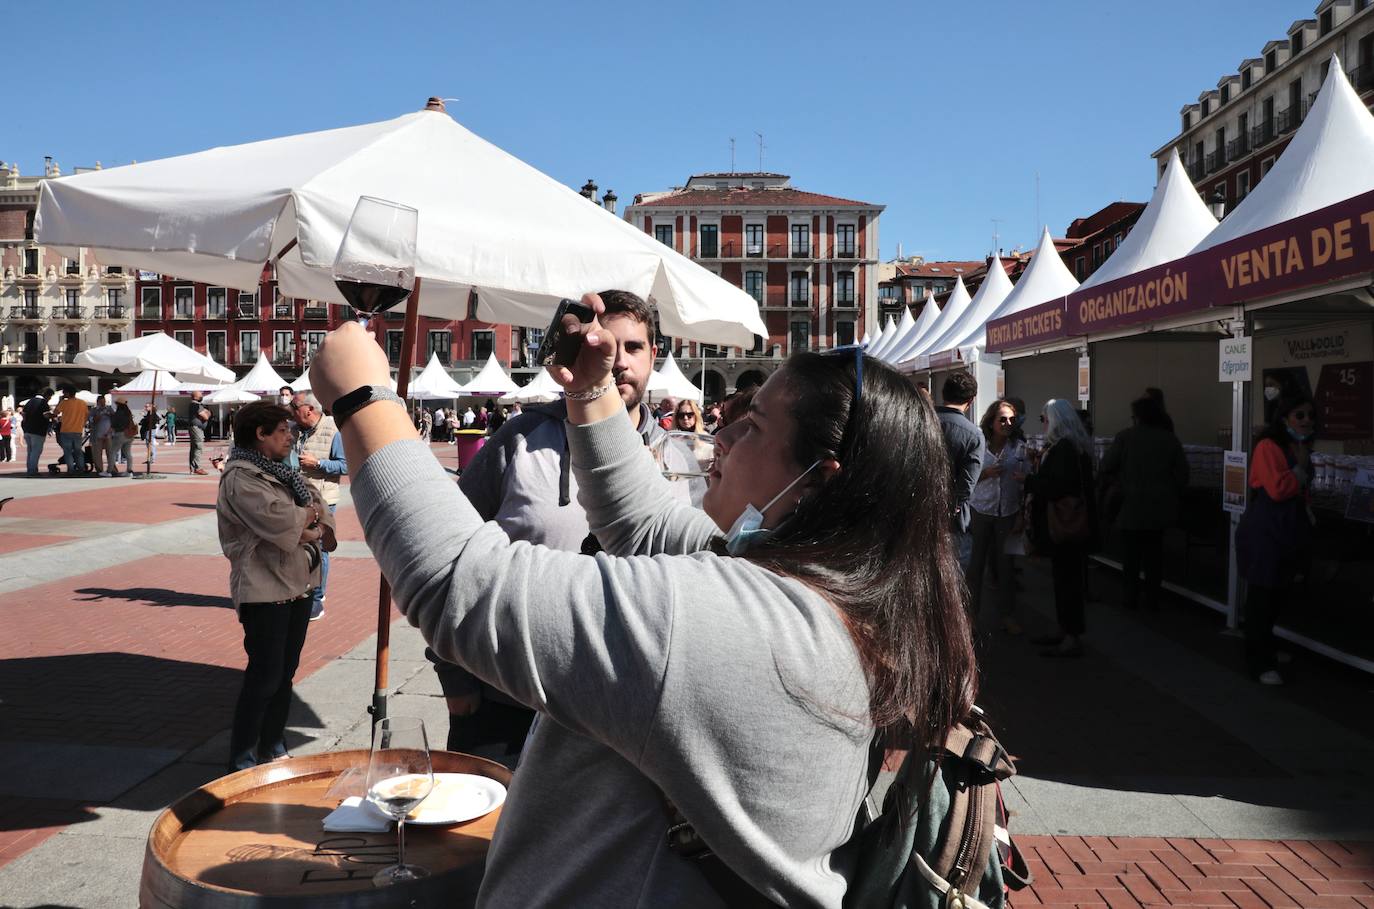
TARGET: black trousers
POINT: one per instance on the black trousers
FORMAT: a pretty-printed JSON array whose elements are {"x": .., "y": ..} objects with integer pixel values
[
  {"x": 6, "y": 452},
  {"x": 1142, "y": 549},
  {"x": 1068, "y": 565},
  {"x": 493, "y": 731},
  {"x": 273, "y": 636},
  {"x": 1262, "y": 605}
]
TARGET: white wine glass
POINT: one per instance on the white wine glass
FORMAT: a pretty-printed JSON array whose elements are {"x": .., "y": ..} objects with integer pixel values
[
  {"x": 375, "y": 266},
  {"x": 399, "y": 777}
]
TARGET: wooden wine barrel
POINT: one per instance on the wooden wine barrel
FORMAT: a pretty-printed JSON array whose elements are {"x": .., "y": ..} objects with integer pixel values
[{"x": 255, "y": 840}]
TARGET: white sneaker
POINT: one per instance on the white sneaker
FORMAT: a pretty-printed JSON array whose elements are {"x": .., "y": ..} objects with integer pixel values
[{"x": 1271, "y": 678}]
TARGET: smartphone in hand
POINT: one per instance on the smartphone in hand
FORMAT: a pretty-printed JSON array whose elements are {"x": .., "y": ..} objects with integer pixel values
[{"x": 558, "y": 347}]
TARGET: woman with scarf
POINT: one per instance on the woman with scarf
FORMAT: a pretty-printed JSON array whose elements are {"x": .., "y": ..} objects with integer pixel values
[{"x": 273, "y": 527}]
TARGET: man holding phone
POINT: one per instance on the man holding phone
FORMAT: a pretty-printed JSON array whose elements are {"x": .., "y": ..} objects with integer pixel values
[{"x": 522, "y": 479}]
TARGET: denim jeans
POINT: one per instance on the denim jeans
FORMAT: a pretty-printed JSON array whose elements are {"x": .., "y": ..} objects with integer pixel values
[
  {"x": 317, "y": 606},
  {"x": 33, "y": 444},
  {"x": 72, "y": 452}
]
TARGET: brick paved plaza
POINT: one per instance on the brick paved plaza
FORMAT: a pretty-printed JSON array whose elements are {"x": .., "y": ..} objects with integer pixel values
[{"x": 1152, "y": 772}]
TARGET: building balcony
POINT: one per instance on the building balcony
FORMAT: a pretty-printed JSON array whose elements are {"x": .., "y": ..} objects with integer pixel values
[
  {"x": 113, "y": 313},
  {"x": 25, "y": 357},
  {"x": 27, "y": 314},
  {"x": 316, "y": 312},
  {"x": 150, "y": 313},
  {"x": 1262, "y": 134},
  {"x": 283, "y": 311},
  {"x": 1362, "y": 77},
  {"x": 30, "y": 277},
  {"x": 1291, "y": 118},
  {"x": 1238, "y": 148},
  {"x": 1215, "y": 161},
  {"x": 245, "y": 312},
  {"x": 216, "y": 314},
  {"x": 846, "y": 302},
  {"x": 283, "y": 358},
  {"x": 844, "y": 252},
  {"x": 246, "y": 358},
  {"x": 183, "y": 315},
  {"x": 66, "y": 313},
  {"x": 1195, "y": 171}
]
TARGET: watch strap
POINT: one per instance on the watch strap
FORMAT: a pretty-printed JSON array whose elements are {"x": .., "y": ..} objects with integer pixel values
[{"x": 359, "y": 398}]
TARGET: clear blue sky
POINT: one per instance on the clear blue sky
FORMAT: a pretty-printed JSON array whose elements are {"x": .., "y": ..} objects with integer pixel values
[{"x": 944, "y": 112}]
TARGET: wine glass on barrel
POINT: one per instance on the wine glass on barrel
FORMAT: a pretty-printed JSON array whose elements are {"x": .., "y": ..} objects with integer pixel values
[
  {"x": 399, "y": 777},
  {"x": 375, "y": 267}
]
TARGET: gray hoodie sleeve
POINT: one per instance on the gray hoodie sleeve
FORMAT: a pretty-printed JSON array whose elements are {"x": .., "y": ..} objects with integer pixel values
[{"x": 643, "y": 516}]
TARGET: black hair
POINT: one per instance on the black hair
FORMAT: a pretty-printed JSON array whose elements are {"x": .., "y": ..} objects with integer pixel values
[
  {"x": 960, "y": 387},
  {"x": 257, "y": 415},
  {"x": 1277, "y": 428},
  {"x": 1149, "y": 411},
  {"x": 874, "y": 540}
]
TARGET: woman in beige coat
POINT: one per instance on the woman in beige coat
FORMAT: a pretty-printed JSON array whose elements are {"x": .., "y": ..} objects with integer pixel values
[{"x": 273, "y": 527}]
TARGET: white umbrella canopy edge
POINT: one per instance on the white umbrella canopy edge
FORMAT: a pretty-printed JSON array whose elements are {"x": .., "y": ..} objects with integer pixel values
[
  {"x": 219, "y": 215},
  {"x": 156, "y": 351}
]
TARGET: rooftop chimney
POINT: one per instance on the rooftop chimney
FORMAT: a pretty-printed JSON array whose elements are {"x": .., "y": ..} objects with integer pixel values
[
  {"x": 589, "y": 190},
  {"x": 608, "y": 200}
]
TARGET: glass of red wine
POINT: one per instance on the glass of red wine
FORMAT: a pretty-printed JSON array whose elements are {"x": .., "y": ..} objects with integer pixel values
[{"x": 375, "y": 267}]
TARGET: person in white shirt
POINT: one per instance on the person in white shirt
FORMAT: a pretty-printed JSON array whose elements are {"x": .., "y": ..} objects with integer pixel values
[{"x": 996, "y": 504}]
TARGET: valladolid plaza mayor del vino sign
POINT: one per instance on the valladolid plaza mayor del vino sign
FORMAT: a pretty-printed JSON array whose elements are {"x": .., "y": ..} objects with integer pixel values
[{"x": 1326, "y": 245}]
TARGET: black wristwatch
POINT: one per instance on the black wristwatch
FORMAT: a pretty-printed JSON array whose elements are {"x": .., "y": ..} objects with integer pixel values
[{"x": 360, "y": 397}]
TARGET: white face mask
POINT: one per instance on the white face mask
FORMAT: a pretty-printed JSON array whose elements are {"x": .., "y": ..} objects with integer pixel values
[
  {"x": 748, "y": 528},
  {"x": 1271, "y": 393},
  {"x": 285, "y": 399}
]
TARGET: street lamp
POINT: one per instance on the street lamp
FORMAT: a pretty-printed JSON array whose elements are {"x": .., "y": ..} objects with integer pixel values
[{"x": 1218, "y": 203}]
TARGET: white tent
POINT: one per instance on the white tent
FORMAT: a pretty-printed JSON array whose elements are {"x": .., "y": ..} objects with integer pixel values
[
  {"x": 971, "y": 328},
  {"x": 231, "y": 395},
  {"x": 904, "y": 325},
  {"x": 1175, "y": 221},
  {"x": 884, "y": 337},
  {"x": 668, "y": 381},
  {"x": 930, "y": 313},
  {"x": 1327, "y": 161},
  {"x": 142, "y": 384},
  {"x": 158, "y": 352},
  {"x": 81, "y": 395},
  {"x": 868, "y": 338},
  {"x": 491, "y": 381},
  {"x": 262, "y": 379},
  {"x": 434, "y": 383},
  {"x": 302, "y": 382},
  {"x": 540, "y": 390},
  {"x": 1045, "y": 278},
  {"x": 488, "y": 222},
  {"x": 955, "y": 307}
]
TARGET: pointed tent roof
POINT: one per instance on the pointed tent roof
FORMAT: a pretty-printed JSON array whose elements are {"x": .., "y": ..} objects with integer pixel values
[
  {"x": 142, "y": 384},
  {"x": 231, "y": 395},
  {"x": 994, "y": 289},
  {"x": 1045, "y": 278},
  {"x": 884, "y": 337},
  {"x": 929, "y": 313},
  {"x": 302, "y": 382},
  {"x": 904, "y": 326},
  {"x": 1175, "y": 220},
  {"x": 434, "y": 383},
  {"x": 668, "y": 380},
  {"x": 262, "y": 379},
  {"x": 1326, "y": 161},
  {"x": 491, "y": 382},
  {"x": 541, "y": 389},
  {"x": 868, "y": 337},
  {"x": 955, "y": 307}
]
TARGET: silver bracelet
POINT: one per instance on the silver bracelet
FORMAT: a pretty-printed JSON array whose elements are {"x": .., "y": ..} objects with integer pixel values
[{"x": 591, "y": 394}]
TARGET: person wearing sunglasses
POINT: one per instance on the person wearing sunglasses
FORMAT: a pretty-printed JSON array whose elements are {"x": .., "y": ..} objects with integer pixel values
[
  {"x": 1274, "y": 538},
  {"x": 687, "y": 417},
  {"x": 996, "y": 504},
  {"x": 820, "y": 580}
]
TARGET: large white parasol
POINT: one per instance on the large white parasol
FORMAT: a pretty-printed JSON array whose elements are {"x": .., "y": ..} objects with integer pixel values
[{"x": 488, "y": 222}]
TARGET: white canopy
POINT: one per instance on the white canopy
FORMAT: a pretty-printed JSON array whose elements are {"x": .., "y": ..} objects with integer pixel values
[
  {"x": 1327, "y": 161},
  {"x": 868, "y": 337},
  {"x": 434, "y": 383},
  {"x": 930, "y": 313},
  {"x": 955, "y": 307},
  {"x": 302, "y": 382},
  {"x": 142, "y": 384},
  {"x": 81, "y": 395},
  {"x": 491, "y": 381},
  {"x": 1045, "y": 278},
  {"x": 1175, "y": 221},
  {"x": 158, "y": 352},
  {"x": 488, "y": 222},
  {"x": 668, "y": 382},
  {"x": 884, "y": 337},
  {"x": 904, "y": 326},
  {"x": 231, "y": 395},
  {"x": 972, "y": 327},
  {"x": 540, "y": 390},
  {"x": 262, "y": 379}
]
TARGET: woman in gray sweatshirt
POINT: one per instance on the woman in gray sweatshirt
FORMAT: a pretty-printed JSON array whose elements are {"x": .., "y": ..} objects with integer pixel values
[{"x": 747, "y": 689}]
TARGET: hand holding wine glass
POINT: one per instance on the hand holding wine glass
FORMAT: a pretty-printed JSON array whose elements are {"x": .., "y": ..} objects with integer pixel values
[
  {"x": 399, "y": 777},
  {"x": 375, "y": 267}
]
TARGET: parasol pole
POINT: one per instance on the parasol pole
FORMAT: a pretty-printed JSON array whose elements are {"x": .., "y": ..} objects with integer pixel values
[{"x": 378, "y": 708}]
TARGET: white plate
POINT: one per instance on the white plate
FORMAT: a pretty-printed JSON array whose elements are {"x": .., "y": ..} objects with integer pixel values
[{"x": 458, "y": 797}]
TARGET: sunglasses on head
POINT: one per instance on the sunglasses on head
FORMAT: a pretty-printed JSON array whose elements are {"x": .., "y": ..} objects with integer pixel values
[{"x": 857, "y": 350}]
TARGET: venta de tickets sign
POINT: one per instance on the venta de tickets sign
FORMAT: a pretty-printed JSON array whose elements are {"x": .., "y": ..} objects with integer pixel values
[{"x": 1306, "y": 252}]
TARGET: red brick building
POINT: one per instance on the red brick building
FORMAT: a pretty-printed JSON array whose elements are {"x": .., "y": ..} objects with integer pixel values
[
  {"x": 811, "y": 260},
  {"x": 913, "y": 278}
]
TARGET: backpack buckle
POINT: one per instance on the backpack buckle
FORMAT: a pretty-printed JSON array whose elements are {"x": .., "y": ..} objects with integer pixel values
[
  {"x": 988, "y": 753},
  {"x": 684, "y": 841}
]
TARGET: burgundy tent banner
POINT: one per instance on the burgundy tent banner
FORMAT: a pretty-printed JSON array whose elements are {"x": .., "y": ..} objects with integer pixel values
[{"x": 1036, "y": 325}]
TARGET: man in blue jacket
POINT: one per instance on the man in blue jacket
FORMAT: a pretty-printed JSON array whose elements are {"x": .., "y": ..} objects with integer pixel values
[{"x": 964, "y": 442}]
